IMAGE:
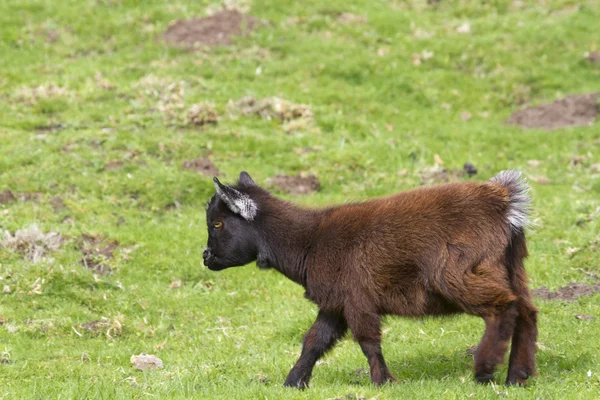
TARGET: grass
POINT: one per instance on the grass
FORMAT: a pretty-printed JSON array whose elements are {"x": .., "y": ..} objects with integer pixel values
[{"x": 84, "y": 84}]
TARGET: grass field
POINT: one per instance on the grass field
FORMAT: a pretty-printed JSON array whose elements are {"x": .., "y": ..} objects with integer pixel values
[{"x": 95, "y": 129}]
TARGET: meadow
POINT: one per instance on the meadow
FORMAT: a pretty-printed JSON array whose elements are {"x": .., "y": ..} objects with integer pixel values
[{"x": 109, "y": 138}]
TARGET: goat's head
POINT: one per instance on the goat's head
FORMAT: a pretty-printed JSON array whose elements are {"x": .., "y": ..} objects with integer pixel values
[{"x": 233, "y": 238}]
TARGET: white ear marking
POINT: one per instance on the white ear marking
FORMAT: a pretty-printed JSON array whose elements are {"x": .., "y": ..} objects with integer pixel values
[{"x": 238, "y": 202}]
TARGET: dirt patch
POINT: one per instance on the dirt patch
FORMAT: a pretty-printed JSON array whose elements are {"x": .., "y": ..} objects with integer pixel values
[
  {"x": 113, "y": 165},
  {"x": 347, "y": 18},
  {"x": 571, "y": 292},
  {"x": 32, "y": 243},
  {"x": 439, "y": 174},
  {"x": 594, "y": 57},
  {"x": 202, "y": 114},
  {"x": 31, "y": 95},
  {"x": 58, "y": 204},
  {"x": 109, "y": 327},
  {"x": 203, "y": 166},
  {"x": 50, "y": 128},
  {"x": 6, "y": 196},
  {"x": 97, "y": 252},
  {"x": 576, "y": 110},
  {"x": 216, "y": 30},
  {"x": 296, "y": 185},
  {"x": 292, "y": 116},
  {"x": 96, "y": 326},
  {"x": 31, "y": 196}
]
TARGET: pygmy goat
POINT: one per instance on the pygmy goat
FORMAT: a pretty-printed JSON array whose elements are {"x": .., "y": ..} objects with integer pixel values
[{"x": 457, "y": 247}]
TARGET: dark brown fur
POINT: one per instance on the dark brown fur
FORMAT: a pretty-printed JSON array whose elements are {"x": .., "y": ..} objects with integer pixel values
[{"x": 430, "y": 251}]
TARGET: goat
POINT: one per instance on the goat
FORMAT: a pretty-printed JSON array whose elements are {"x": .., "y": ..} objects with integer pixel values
[{"x": 437, "y": 250}]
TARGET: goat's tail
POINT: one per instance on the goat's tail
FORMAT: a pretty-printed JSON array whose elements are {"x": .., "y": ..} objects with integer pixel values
[{"x": 519, "y": 200}]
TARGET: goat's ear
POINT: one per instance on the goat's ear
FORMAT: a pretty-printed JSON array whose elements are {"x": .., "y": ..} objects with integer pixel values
[
  {"x": 245, "y": 179},
  {"x": 238, "y": 202}
]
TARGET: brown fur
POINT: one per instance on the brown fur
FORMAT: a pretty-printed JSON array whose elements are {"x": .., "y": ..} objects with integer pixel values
[{"x": 430, "y": 251}]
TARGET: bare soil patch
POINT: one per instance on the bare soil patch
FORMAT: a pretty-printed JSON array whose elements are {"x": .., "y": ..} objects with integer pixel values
[
  {"x": 113, "y": 165},
  {"x": 270, "y": 108},
  {"x": 347, "y": 18},
  {"x": 110, "y": 327},
  {"x": 32, "y": 243},
  {"x": 202, "y": 114},
  {"x": 438, "y": 174},
  {"x": 50, "y": 128},
  {"x": 216, "y": 30},
  {"x": 292, "y": 116},
  {"x": 95, "y": 326},
  {"x": 296, "y": 185},
  {"x": 594, "y": 57},
  {"x": 31, "y": 196},
  {"x": 575, "y": 110},
  {"x": 203, "y": 166},
  {"x": 6, "y": 197},
  {"x": 58, "y": 204},
  {"x": 97, "y": 252},
  {"x": 571, "y": 292}
]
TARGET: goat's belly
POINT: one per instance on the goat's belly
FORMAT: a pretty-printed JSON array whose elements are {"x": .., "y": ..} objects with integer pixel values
[{"x": 415, "y": 301}]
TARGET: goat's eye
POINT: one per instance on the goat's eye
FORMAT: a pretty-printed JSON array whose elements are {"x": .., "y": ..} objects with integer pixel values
[{"x": 218, "y": 225}]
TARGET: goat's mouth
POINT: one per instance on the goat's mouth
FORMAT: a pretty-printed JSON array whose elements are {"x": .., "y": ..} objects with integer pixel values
[{"x": 213, "y": 264}]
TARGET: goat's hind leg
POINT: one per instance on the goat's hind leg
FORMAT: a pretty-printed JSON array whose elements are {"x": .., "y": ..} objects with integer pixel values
[
  {"x": 327, "y": 329},
  {"x": 521, "y": 364},
  {"x": 499, "y": 327},
  {"x": 484, "y": 290}
]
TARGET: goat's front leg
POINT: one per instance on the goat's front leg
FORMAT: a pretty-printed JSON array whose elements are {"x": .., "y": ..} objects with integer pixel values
[
  {"x": 327, "y": 329},
  {"x": 365, "y": 327}
]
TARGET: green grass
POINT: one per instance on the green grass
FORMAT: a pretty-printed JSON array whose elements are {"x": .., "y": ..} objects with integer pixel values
[{"x": 235, "y": 334}]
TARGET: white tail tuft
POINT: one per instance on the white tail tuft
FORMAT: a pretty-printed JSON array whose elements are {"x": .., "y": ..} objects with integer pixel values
[{"x": 519, "y": 203}]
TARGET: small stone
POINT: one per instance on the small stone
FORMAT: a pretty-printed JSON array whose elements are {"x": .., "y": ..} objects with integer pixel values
[
  {"x": 6, "y": 289},
  {"x": 470, "y": 169},
  {"x": 464, "y": 28},
  {"x": 175, "y": 285},
  {"x": 146, "y": 362}
]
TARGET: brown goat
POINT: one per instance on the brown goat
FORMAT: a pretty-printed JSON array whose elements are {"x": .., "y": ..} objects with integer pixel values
[{"x": 438, "y": 250}]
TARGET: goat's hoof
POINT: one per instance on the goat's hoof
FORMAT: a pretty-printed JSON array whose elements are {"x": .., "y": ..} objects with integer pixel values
[
  {"x": 300, "y": 384},
  {"x": 517, "y": 378},
  {"x": 484, "y": 378},
  {"x": 389, "y": 378}
]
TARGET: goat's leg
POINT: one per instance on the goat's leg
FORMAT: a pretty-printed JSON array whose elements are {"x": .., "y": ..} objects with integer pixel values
[
  {"x": 366, "y": 330},
  {"x": 499, "y": 328},
  {"x": 521, "y": 364},
  {"x": 327, "y": 329},
  {"x": 484, "y": 290}
]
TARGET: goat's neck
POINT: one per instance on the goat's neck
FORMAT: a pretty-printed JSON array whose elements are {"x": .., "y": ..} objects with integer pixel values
[{"x": 287, "y": 242}]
